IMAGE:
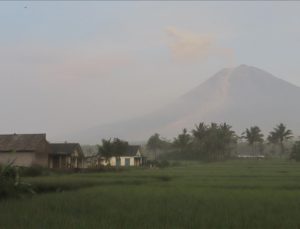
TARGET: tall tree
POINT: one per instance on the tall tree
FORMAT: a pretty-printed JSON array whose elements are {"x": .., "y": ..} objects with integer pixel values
[
  {"x": 111, "y": 148},
  {"x": 154, "y": 143},
  {"x": 183, "y": 141},
  {"x": 106, "y": 150},
  {"x": 280, "y": 134},
  {"x": 295, "y": 154},
  {"x": 213, "y": 142},
  {"x": 253, "y": 136},
  {"x": 119, "y": 147},
  {"x": 229, "y": 138},
  {"x": 199, "y": 131}
]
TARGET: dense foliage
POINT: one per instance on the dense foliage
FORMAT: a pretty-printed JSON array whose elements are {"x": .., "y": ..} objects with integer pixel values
[
  {"x": 205, "y": 142},
  {"x": 109, "y": 148},
  {"x": 10, "y": 184},
  {"x": 216, "y": 142},
  {"x": 8, "y": 177},
  {"x": 254, "y": 138},
  {"x": 295, "y": 154},
  {"x": 156, "y": 144},
  {"x": 279, "y": 135}
]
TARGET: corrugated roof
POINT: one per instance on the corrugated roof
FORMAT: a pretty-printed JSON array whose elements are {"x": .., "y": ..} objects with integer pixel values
[
  {"x": 65, "y": 148},
  {"x": 21, "y": 142},
  {"x": 132, "y": 150}
]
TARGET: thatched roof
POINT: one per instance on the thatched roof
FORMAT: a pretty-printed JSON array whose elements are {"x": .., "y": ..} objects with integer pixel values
[
  {"x": 65, "y": 148},
  {"x": 21, "y": 142}
]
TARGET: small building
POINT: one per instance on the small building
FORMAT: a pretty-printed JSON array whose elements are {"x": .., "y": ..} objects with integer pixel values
[
  {"x": 24, "y": 149},
  {"x": 66, "y": 155},
  {"x": 34, "y": 150},
  {"x": 91, "y": 161},
  {"x": 132, "y": 157}
]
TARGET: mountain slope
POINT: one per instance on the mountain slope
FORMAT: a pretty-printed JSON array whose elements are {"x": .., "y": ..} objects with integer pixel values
[{"x": 241, "y": 96}]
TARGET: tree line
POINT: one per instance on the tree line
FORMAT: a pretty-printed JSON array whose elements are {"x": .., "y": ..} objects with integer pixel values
[
  {"x": 208, "y": 142},
  {"x": 213, "y": 142},
  {"x": 205, "y": 142}
]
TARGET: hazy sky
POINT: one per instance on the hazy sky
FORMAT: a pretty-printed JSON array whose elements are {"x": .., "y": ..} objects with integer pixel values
[{"x": 67, "y": 66}]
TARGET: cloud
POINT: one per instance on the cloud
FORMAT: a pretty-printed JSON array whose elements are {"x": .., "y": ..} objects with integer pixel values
[
  {"x": 186, "y": 45},
  {"x": 189, "y": 46}
]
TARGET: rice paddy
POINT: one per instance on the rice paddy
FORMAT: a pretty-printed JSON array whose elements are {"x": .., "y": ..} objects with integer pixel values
[{"x": 232, "y": 194}]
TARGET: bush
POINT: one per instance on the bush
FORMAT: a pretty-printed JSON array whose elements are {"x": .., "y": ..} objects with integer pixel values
[
  {"x": 8, "y": 177},
  {"x": 10, "y": 185},
  {"x": 33, "y": 171},
  {"x": 159, "y": 164},
  {"x": 163, "y": 164}
]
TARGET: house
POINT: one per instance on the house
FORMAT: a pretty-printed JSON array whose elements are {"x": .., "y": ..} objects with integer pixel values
[
  {"x": 34, "y": 150},
  {"x": 131, "y": 157},
  {"x": 91, "y": 161},
  {"x": 66, "y": 155},
  {"x": 24, "y": 149}
]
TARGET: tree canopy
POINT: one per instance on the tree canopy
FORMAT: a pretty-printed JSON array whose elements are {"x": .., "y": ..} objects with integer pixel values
[
  {"x": 295, "y": 154},
  {"x": 279, "y": 135},
  {"x": 110, "y": 148},
  {"x": 253, "y": 136},
  {"x": 206, "y": 142},
  {"x": 155, "y": 143}
]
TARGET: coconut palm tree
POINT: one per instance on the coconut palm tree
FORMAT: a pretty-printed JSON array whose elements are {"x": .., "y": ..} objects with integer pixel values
[
  {"x": 253, "y": 136},
  {"x": 280, "y": 134},
  {"x": 213, "y": 142},
  {"x": 200, "y": 131},
  {"x": 154, "y": 143},
  {"x": 229, "y": 138},
  {"x": 199, "y": 139}
]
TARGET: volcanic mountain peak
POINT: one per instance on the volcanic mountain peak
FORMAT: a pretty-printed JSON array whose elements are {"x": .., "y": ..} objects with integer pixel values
[{"x": 241, "y": 96}]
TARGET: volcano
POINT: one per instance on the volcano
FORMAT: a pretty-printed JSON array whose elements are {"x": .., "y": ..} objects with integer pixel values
[{"x": 242, "y": 97}]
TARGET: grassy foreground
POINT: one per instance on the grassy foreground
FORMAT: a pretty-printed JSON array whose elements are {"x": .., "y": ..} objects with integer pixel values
[{"x": 236, "y": 194}]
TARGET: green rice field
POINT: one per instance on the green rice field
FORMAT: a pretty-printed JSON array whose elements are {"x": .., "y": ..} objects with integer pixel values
[{"x": 232, "y": 194}]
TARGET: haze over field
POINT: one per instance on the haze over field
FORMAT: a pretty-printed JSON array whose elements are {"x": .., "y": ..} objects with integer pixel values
[{"x": 79, "y": 70}]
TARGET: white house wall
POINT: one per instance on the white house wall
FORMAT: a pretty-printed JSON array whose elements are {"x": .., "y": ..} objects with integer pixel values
[{"x": 113, "y": 161}]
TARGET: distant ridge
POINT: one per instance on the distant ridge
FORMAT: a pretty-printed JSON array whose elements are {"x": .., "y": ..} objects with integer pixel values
[{"x": 241, "y": 96}]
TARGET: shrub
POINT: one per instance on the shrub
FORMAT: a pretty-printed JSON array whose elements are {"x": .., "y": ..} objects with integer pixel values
[
  {"x": 159, "y": 164},
  {"x": 31, "y": 171},
  {"x": 8, "y": 176},
  {"x": 163, "y": 164},
  {"x": 10, "y": 185}
]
